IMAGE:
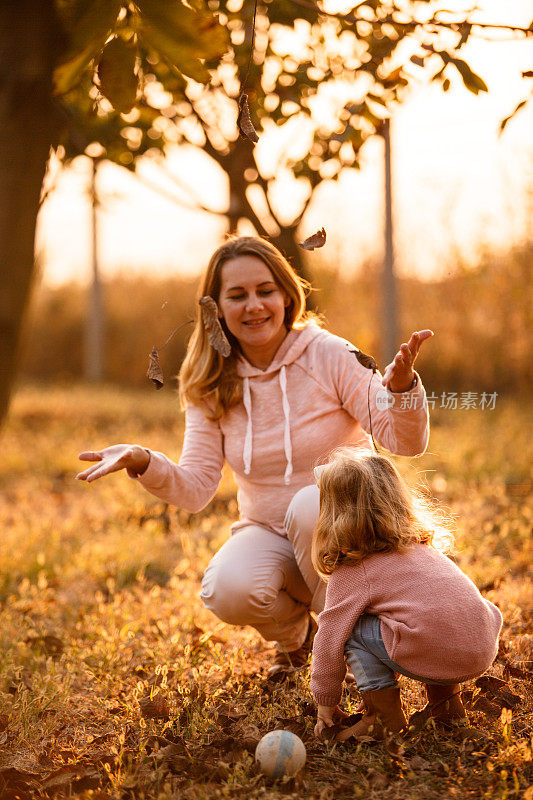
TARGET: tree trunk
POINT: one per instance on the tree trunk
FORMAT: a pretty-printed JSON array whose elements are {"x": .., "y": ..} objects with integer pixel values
[
  {"x": 235, "y": 164},
  {"x": 30, "y": 39},
  {"x": 286, "y": 242}
]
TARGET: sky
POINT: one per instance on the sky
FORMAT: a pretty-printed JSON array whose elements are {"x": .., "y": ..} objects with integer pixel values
[{"x": 458, "y": 186}]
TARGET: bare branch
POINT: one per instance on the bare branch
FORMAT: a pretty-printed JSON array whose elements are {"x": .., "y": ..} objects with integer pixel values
[{"x": 169, "y": 196}]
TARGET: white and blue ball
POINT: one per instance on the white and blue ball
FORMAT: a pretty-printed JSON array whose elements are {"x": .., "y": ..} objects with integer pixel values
[{"x": 280, "y": 754}]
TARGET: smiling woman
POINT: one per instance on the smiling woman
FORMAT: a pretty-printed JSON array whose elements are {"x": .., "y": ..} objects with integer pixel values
[
  {"x": 286, "y": 395},
  {"x": 253, "y": 307}
]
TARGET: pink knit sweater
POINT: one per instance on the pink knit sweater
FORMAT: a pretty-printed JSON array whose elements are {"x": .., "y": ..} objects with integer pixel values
[
  {"x": 312, "y": 398},
  {"x": 434, "y": 621}
]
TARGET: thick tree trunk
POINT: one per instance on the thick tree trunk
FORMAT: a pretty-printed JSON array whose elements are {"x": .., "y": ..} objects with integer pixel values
[
  {"x": 286, "y": 242},
  {"x": 30, "y": 38},
  {"x": 235, "y": 164}
]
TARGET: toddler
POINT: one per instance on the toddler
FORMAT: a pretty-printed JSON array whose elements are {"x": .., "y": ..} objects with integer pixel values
[{"x": 394, "y": 604}]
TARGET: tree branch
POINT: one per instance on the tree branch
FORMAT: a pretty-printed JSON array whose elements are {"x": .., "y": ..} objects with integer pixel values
[
  {"x": 413, "y": 23},
  {"x": 169, "y": 196}
]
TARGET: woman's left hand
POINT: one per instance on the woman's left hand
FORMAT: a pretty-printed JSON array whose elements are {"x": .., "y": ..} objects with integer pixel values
[{"x": 399, "y": 375}]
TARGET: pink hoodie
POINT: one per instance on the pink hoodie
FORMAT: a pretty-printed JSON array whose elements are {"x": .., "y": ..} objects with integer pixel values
[{"x": 312, "y": 398}]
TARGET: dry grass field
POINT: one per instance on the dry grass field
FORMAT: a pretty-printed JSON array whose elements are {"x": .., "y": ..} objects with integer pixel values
[{"x": 115, "y": 682}]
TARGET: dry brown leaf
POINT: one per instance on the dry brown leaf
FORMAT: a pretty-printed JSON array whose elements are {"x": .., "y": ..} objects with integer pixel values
[
  {"x": 244, "y": 122},
  {"x": 217, "y": 337},
  {"x": 365, "y": 360},
  {"x": 48, "y": 643},
  {"x": 498, "y": 691},
  {"x": 72, "y": 776},
  {"x": 318, "y": 239},
  {"x": 485, "y": 706},
  {"x": 513, "y": 671},
  {"x": 154, "y": 708},
  {"x": 155, "y": 373}
]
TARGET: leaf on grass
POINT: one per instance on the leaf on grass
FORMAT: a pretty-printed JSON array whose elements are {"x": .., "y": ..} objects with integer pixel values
[
  {"x": 499, "y": 690},
  {"x": 217, "y": 337},
  {"x": 518, "y": 672},
  {"x": 72, "y": 777},
  {"x": 484, "y": 705},
  {"x": 244, "y": 122},
  {"x": 48, "y": 644},
  {"x": 318, "y": 239},
  {"x": 155, "y": 373},
  {"x": 155, "y": 707},
  {"x": 175, "y": 757},
  {"x": 417, "y": 762}
]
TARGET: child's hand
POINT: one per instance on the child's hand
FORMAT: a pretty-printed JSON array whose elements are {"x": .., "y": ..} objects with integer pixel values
[{"x": 327, "y": 716}]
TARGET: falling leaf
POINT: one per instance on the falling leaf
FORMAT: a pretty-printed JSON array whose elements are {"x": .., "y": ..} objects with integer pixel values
[
  {"x": 365, "y": 360},
  {"x": 318, "y": 239},
  {"x": 155, "y": 373},
  {"x": 216, "y": 335},
  {"x": 244, "y": 123}
]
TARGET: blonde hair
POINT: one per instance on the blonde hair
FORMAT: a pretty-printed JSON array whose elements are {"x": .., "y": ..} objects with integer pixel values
[
  {"x": 205, "y": 376},
  {"x": 365, "y": 508}
]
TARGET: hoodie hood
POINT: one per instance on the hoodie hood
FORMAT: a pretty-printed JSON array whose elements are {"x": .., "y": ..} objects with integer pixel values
[{"x": 289, "y": 351}]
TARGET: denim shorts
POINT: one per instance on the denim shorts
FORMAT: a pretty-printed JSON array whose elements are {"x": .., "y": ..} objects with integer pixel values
[{"x": 369, "y": 661}]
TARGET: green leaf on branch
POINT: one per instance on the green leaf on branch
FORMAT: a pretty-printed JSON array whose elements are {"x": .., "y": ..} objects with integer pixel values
[
  {"x": 182, "y": 35},
  {"x": 88, "y": 25},
  {"x": 116, "y": 71}
]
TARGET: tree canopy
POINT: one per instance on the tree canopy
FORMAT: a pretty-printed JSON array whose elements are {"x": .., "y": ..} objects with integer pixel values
[{"x": 137, "y": 76}]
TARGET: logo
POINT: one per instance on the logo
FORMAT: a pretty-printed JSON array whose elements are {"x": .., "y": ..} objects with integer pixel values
[{"x": 384, "y": 399}]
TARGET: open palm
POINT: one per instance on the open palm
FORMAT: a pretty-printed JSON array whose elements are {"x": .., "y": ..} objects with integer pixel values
[{"x": 131, "y": 457}]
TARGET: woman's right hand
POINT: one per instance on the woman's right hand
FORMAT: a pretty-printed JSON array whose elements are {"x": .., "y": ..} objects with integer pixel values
[{"x": 131, "y": 457}]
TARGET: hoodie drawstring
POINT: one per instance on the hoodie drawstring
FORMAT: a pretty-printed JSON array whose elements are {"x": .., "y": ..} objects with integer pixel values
[
  {"x": 247, "y": 450},
  {"x": 287, "y": 431},
  {"x": 248, "y": 439}
]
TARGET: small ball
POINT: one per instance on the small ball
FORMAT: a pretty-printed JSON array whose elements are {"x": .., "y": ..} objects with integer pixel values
[{"x": 280, "y": 753}]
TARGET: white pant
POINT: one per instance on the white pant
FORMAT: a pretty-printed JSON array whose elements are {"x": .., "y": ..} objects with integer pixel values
[{"x": 261, "y": 579}]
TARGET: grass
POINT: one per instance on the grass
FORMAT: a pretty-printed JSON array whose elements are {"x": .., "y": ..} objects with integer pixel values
[{"x": 115, "y": 682}]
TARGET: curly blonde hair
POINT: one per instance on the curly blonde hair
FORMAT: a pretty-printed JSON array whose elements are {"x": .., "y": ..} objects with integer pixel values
[
  {"x": 365, "y": 508},
  {"x": 205, "y": 376}
]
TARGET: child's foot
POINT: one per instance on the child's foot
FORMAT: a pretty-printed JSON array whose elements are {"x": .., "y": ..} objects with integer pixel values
[
  {"x": 383, "y": 715},
  {"x": 444, "y": 706}
]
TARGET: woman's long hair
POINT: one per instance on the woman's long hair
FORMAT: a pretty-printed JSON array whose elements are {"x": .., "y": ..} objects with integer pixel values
[
  {"x": 205, "y": 376},
  {"x": 365, "y": 508}
]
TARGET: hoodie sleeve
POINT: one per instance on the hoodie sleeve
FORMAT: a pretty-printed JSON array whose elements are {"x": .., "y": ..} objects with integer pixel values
[
  {"x": 347, "y": 597},
  {"x": 400, "y": 421},
  {"x": 192, "y": 482}
]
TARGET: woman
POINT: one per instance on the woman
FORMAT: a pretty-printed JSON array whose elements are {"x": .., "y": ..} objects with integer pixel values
[{"x": 288, "y": 393}]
